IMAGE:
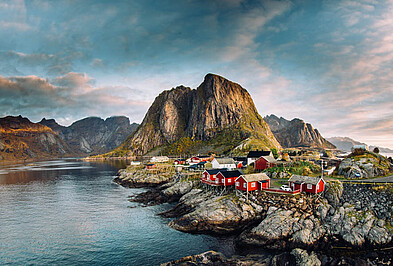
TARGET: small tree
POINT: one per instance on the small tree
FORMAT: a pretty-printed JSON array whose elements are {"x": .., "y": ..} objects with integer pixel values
[
  {"x": 376, "y": 150},
  {"x": 275, "y": 153}
]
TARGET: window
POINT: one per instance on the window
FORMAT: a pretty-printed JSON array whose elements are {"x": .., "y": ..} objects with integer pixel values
[
  {"x": 229, "y": 180},
  {"x": 309, "y": 186},
  {"x": 245, "y": 185},
  {"x": 237, "y": 184},
  {"x": 253, "y": 184}
]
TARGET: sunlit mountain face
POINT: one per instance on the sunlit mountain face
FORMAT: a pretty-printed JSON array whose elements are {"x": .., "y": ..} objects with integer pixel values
[{"x": 326, "y": 62}]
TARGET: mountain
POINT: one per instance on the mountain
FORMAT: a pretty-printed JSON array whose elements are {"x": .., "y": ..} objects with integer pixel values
[
  {"x": 21, "y": 139},
  {"x": 296, "y": 133},
  {"x": 93, "y": 135},
  {"x": 345, "y": 144},
  {"x": 219, "y": 116}
]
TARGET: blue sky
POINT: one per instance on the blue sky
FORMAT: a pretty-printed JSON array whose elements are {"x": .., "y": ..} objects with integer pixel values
[{"x": 327, "y": 62}]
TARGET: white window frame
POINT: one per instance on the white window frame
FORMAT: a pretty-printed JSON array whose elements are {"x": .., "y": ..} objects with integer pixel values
[
  {"x": 253, "y": 184},
  {"x": 237, "y": 184},
  {"x": 245, "y": 185},
  {"x": 229, "y": 180},
  {"x": 309, "y": 186}
]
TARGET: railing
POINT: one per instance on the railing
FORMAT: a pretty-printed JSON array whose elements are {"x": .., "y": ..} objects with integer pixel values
[{"x": 274, "y": 190}]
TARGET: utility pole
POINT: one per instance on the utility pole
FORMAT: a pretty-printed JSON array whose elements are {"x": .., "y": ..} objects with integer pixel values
[{"x": 322, "y": 167}]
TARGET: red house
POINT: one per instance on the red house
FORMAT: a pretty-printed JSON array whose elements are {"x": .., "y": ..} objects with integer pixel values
[
  {"x": 198, "y": 159},
  {"x": 180, "y": 161},
  {"x": 151, "y": 166},
  {"x": 252, "y": 182},
  {"x": 210, "y": 177},
  {"x": 227, "y": 178},
  {"x": 307, "y": 184},
  {"x": 264, "y": 162}
]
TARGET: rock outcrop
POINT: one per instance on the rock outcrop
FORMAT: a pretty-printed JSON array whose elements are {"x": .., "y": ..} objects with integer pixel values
[
  {"x": 93, "y": 135},
  {"x": 364, "y": 165},
  {"x": 218, "y": 117},
  {"x": 296, "y": 133},
  {"x": 21, "y": 139}
]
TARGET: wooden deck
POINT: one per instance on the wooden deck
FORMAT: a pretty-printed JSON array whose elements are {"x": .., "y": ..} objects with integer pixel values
[{"x": 280, "y": 191}]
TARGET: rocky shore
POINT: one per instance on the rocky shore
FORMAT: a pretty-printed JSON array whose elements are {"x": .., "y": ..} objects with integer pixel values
[{"x": 349, "y": 217}]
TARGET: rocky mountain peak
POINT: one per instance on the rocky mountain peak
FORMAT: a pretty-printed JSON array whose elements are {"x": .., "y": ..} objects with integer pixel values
[
  {"x": 296, "y": 133},
  {"x": 202, "y": 114}
]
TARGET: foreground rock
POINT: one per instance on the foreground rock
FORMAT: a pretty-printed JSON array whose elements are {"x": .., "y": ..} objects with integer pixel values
[
  {"x": 294, "y": 257},
  {"x": 360, "y": 218},
  {"x": 215, "y": 214}
]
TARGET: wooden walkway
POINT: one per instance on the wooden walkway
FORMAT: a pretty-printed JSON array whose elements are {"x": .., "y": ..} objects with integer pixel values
[{"x": 280, "y": 191}]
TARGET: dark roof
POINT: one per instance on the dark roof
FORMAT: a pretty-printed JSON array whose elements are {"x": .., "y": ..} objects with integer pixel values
[
  {"x": 241, "y": 159},
  {"x": 204, "y": 156},
  {"x": 257, "y": 154},
  {"x": 228, "y": 174},
  {"x": 201, "y": 163},
  {"x": 150, "y": 164},
  {"x": 215, "y": 171}
]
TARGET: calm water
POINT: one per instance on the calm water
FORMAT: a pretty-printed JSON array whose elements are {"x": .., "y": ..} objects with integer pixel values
[{"x": 70, "y": 212}]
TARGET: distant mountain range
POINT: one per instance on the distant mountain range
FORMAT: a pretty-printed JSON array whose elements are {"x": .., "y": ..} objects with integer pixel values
[
  {"x": 296, "y": 133},
  {"x": 345, "y": 144},
  {"x": 219, "y": 117},
  {"x": 22, "y": 139},
  {"x": 93, "y": 135}
]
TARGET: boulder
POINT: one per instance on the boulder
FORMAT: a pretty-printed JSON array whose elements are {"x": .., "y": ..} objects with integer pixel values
[{"x": 303, "y": 258}]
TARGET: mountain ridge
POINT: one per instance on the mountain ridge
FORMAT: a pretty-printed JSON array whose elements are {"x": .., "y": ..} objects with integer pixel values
[
  {"x": 93, "y": 135},
  {"x": 217, "y": 110},
  {"x": 296, "y": 133}
]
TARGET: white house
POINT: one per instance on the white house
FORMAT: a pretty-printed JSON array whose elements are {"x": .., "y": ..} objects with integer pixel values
[
  {"x": 159, "y": 159},
  {"x": 227, "y": 163}
]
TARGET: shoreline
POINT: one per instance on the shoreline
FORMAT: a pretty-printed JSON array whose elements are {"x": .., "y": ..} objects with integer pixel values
[{"x": 191, "y": 214}]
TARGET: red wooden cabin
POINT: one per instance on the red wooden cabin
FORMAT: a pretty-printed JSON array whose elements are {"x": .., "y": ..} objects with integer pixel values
[
  {"x": 264, "y": 162},
  {"x": 227, "y": 178},
  {"x": 307, "y": 184},
  {"x": 210, "y": 177},
  {"x": 252, "y": 182}
]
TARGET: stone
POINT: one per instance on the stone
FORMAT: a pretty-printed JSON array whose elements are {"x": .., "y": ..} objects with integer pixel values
[{"x": 303, "y": 258}]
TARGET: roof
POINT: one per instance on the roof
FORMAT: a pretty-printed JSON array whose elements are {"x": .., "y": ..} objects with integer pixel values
[
  {"x": 300, "y": 179},
  {"x": 229, "y": 174},
  {"x": 150, "y": 164},
  {"x": 257, "y": 154},
  {"x": 225, "y": 160},
  {"x": 214, "y": 171},
  {"x": 269, "y": 159},
  {"x": 255, "y": 177}
]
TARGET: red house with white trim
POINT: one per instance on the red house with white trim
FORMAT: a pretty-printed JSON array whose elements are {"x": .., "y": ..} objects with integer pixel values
[
  {"x": 227, "y": 178},
  {"x": 252, "y": 182},
  {"x": 307, "y": 184},
  {"x": 264, "y": 162},
  {"x": 210, "y": 177}
]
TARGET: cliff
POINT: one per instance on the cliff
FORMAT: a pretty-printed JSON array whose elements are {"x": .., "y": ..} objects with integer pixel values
[
  {"x": 296, "y": 133},
  {"x": 21, "y": 139},
  {"x": 219, "y": 116},
  {"x": 93, "y": 135}
]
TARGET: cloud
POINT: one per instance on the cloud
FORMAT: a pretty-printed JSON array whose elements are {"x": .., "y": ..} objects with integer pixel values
[{"x": 68, "y": 98}]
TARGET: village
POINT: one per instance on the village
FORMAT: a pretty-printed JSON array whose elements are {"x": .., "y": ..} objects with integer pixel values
[
  {"x": 260, "y": 170},
  {"x": 241, "y": 175}
]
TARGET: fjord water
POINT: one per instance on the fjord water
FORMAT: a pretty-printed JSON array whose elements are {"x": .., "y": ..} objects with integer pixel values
[{"x": 70, "y": 212}]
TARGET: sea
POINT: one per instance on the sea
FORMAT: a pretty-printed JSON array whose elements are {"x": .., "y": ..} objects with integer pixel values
[{"x": 70, "y": 212}]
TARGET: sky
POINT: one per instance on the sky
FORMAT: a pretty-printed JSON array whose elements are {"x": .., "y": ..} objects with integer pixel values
[{"x": 326, "y": 62}]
